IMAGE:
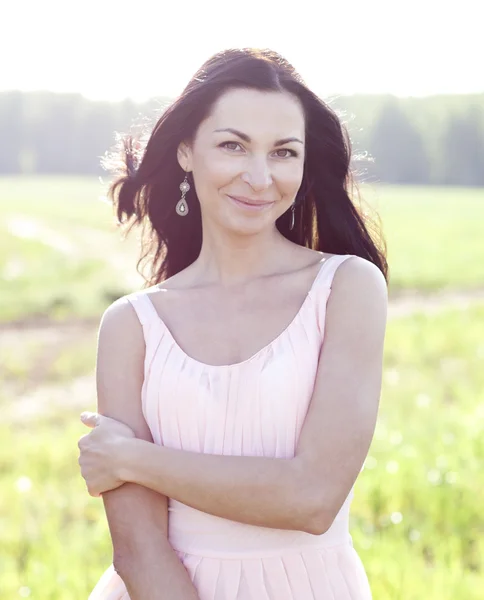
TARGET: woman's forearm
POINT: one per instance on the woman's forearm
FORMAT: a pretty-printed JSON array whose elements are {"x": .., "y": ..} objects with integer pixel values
[
  {"x": 157, "y": 578},
  {"x": 255, "y": 490}
]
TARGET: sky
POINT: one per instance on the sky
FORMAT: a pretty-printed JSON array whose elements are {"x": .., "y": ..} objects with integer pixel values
[{"x": 140, "y": 49}]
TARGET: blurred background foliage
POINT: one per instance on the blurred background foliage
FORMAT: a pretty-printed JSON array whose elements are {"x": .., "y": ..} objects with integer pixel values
[{"x": 436, "y": 140}]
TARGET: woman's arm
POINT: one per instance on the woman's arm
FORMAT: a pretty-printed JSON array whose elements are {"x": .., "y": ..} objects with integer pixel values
[
  {"x": 259, "y": 491},
  {"x": 306, "y": 492},
  {"x": 137, "y": 516}
]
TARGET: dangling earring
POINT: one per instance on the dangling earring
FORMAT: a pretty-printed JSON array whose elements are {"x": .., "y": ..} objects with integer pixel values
[
  {"x": 182, "y": 206},
  {"x": 293, "y": 208}
]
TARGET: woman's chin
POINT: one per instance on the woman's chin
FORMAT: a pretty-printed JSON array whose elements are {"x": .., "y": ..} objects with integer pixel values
[
  {"x": 242, "y": 222},
  {"x": 251, "y": 226}
]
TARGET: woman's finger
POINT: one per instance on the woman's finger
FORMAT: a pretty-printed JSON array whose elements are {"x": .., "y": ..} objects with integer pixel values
[{"x": 90, "y": 419}]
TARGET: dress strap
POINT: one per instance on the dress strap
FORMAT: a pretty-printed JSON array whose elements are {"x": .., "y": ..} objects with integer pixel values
[
  {"x": 325, "y": 281},
  {"x": 328, "y": 270},
  {"x": 144, "y": 307},
  {"x": 148, "y": 317}
]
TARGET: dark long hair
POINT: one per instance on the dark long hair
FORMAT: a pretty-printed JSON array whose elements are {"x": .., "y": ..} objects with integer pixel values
[{"x": 146, "y": 189}]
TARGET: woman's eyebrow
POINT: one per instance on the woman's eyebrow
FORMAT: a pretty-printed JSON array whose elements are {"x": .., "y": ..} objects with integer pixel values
[{"x": 247, "y": 139}]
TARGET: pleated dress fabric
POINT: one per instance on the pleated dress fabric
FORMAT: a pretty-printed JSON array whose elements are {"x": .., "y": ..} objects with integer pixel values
[{"x": 252, "y": 408}]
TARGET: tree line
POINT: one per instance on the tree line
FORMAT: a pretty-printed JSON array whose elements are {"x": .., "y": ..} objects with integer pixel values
[{"x": 437, "y": 140}]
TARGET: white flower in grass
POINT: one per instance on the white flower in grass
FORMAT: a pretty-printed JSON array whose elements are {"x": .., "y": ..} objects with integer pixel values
[
  {"x": 409, "y": 451},
  {"x": 451, "y": 477},
  {"x": 442, "y": 462},
  {"x": 370, "y": 462},
  {"x": 396, "y": 518},
  {"x": 434, "y": 476},
  {"x": 448, "y": 438},
  {"x": 422, "y": 400},
  {"x": 392, "y": 376},
  {"x": 13, "y": 268},
  {"x": 392, "y": 466},
  {"x": 396, "y": 438},
  {"x": 414, "y": 535},
  {"x": 23, "y": 484}
]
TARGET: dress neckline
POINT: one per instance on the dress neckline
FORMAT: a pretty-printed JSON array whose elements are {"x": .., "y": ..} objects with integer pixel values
[{"x": 189, "y": 358}]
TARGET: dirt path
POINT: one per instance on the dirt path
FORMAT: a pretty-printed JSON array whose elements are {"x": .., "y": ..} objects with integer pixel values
[{"x": 409, "y": 303}]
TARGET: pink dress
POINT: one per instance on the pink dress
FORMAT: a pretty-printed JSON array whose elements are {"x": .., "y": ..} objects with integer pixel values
[{"x": 252, "y": 408}]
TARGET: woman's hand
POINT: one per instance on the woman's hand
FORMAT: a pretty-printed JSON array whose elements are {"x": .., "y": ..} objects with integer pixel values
[{"x": 100, "y": 452}]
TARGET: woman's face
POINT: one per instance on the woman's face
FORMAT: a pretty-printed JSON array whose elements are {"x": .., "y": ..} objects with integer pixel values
[{"x": 250, "y": 147}]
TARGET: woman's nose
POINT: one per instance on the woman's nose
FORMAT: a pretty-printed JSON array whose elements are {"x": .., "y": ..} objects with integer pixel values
[{"x": 258, "y": 174}]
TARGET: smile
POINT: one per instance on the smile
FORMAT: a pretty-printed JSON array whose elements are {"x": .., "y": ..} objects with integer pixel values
[{"x": 247, "y": 206}]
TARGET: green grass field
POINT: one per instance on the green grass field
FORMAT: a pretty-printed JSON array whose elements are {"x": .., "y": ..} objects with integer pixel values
[
  {"x": 434, "y": 235},
  {"x": 417, "y": 518}
]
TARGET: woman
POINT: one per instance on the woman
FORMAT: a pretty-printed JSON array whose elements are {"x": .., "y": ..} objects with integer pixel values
[{"x": 218, "y": 402}]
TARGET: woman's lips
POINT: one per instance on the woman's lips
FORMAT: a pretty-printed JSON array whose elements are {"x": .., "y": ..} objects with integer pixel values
[{"x": 247, "y": 206}]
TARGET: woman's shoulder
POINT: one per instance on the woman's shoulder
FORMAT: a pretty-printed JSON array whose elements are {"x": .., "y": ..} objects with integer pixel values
[
  {"x": 358, "y": 277},
  {"x": 353, "y": 265}
]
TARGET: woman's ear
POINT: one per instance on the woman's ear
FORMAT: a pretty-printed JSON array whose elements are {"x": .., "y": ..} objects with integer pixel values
[{"x": 184, "y": 156}]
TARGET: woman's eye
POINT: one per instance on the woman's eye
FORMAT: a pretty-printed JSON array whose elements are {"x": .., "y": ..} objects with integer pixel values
[
  {"x": 230, "y": 146},
  {"x": 291, "y": 153},
  {"x": 226, "y": 144}
]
